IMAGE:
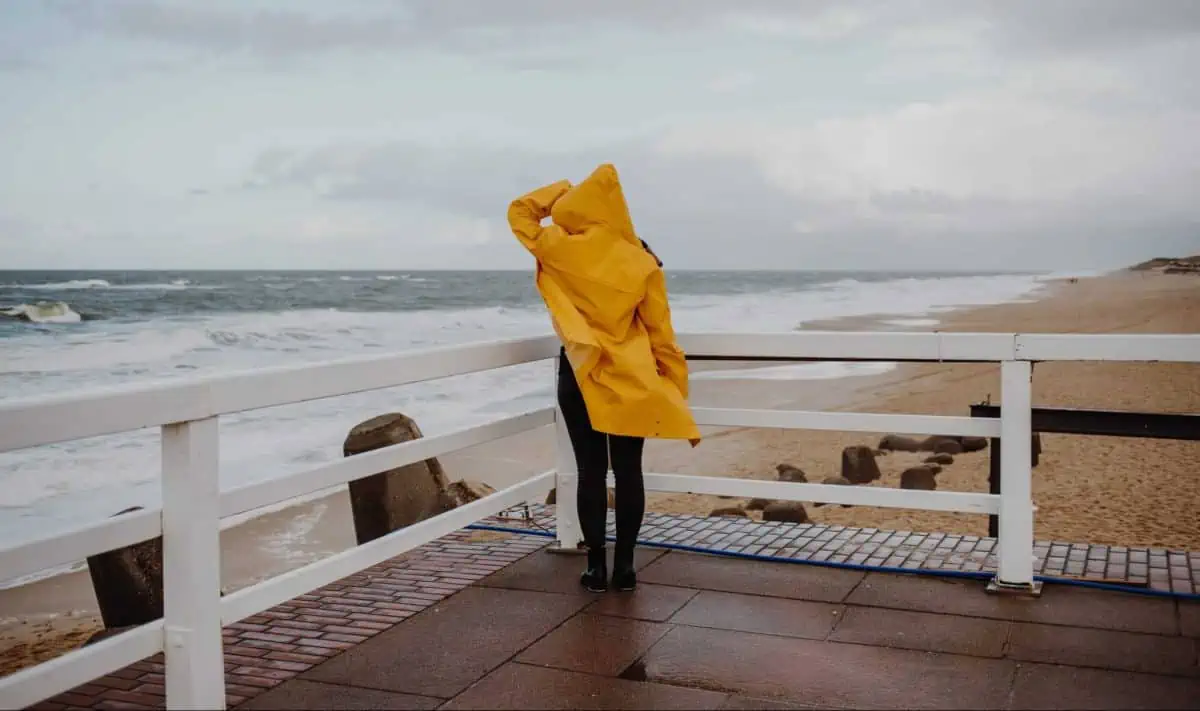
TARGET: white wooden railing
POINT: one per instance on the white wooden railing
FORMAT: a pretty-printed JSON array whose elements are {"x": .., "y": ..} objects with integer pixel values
[{"x": 192, "y": 505}]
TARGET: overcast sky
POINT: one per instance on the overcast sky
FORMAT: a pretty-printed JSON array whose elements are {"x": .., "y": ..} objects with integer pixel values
[{"x": 794, "y": 134}]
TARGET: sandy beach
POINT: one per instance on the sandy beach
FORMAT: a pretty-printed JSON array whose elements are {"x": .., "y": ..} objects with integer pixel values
[
  {"x": 1136, "y": 492},
  {"x": 1105, "y": 490}
]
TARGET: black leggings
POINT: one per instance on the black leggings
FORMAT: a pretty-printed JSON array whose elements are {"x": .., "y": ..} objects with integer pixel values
[{"x": 592, "y": 451}]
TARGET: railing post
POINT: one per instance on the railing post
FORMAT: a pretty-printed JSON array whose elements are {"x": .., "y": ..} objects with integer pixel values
[
  {"x": 1015, "y": 572},
  {"x": 566, "y": 480},
  {"x": 195, "y": 674}
]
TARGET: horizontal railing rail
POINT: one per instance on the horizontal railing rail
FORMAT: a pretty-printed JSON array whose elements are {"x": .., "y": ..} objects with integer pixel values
[
  {"x": 194, "y": 509},
  {"x": 71, "y": 546},
  {"x": 34, "y": 684},
  {"x": 30, "y": 422},
  {"x": 281, "y": 588},
  {"x": 938, "y": 346},
  {"x": 955, "y": 501}
]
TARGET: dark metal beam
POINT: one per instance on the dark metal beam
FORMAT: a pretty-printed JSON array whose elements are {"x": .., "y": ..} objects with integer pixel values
[
  {"x": 1106, "y": 423},
  {"x": 1109, "y": 423}
]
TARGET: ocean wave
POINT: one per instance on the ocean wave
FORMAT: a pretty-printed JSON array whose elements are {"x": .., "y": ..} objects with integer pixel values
[
  {"x": 43, "y": 312},
  {"x": 71, "y": 285},
  {"x": 173, "y": 286},
  {"x": 381, "y": 277},
  {"x": 99, "y": 284}
]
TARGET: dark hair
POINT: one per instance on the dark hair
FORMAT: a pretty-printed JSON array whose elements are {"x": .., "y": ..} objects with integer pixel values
[{"x": 652, "y": 254}]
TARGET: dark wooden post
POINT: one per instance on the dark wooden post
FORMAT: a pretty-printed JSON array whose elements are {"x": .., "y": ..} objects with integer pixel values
[{"x": 994, "y": 483}]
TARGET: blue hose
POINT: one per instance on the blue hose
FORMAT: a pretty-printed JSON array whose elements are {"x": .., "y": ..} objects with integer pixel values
[{"x": 959, "y": 574}]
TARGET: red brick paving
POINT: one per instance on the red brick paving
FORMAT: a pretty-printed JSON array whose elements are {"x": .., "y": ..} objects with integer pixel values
[{"x": 273, "y": 646}]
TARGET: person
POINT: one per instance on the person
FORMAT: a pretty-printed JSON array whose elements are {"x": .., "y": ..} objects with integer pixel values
[{"x": 622, "y": 378}]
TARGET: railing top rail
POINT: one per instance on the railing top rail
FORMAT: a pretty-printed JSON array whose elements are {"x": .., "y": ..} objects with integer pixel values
[
  {"x": 31, "y": 422},
  {"x": 938, "y": 346}
]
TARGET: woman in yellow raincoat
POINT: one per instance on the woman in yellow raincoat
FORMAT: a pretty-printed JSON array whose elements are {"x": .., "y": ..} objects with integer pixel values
[{"x": 622, "y": 379}]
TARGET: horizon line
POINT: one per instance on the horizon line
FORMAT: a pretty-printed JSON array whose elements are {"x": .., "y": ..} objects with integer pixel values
[{"x": 530, "y": 270}]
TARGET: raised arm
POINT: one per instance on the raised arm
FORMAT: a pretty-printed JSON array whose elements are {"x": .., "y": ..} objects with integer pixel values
[
  {"x": 526, "y": 213},
  {"x": 655, "y": 314}
]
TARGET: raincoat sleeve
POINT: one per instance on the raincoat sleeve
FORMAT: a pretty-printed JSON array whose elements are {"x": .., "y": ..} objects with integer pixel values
[
  {"x": 655, "y": 314},
  {"x": 526, "y": 213}
]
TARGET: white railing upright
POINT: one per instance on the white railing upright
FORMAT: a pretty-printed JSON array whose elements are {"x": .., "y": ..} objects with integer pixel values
[
  {"x": 1015, "y": 569},
  {"x": 568, "y": 531},
  {"x": 191, "y": 522},
  {"x": 193, "y": 507}
]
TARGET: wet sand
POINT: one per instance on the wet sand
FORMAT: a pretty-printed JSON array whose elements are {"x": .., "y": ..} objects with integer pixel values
[{"x": 1104, "y": 490}]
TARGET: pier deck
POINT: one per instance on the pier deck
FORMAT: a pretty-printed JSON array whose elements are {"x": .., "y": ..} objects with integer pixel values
[{"x": 489, "y": 620}]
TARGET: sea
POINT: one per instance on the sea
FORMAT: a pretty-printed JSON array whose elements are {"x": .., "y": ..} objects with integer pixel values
[{"x": 66, "y": 332}]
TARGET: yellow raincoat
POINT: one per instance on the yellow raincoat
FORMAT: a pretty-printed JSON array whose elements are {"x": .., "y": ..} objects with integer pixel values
[{"x": 607, "y": 298}]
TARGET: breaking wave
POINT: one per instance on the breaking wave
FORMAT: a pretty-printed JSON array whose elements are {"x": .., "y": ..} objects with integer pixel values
[
  {"x": 81, "y": 284},
  {"x": 43, "y": 312}
]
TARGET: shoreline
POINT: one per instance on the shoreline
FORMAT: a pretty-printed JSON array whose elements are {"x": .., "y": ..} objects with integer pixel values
[{"x": 48, "y": 616}]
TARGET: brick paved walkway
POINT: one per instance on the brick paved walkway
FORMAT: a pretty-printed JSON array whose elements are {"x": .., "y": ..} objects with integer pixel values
[
  {"x": 274, "y": 646},
  {"x": 264, "y": 650}
]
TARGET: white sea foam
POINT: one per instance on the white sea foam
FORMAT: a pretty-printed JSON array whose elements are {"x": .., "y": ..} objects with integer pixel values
[
  {"x": 62, "y": 285},
  {"x": 43, "y": 312},
  {"x": 79, "y": 284}
]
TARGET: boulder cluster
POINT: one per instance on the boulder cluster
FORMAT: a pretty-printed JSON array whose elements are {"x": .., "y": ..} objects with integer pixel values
[{"x": 860, "y": 466}]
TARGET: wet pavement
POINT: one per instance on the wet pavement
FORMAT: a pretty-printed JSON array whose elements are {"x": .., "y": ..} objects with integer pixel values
[{"x": 719, "y": 633}]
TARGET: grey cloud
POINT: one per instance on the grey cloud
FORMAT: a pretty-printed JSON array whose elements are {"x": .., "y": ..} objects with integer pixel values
[
  {"x": 503, "y": 27},
  {"x": 719, "y": 211},
  {"x": 460, "y": 24},
  {"x": 1091, "y": 24},
  {"x": 280, "y": 35},
  {"x": 13, "y": 61},
  {"x": 439, "y": 17},
  {"x": 203, "y": 25},
  {"x": 928, "y": 202},
  {"x": 694, "y": 204}
]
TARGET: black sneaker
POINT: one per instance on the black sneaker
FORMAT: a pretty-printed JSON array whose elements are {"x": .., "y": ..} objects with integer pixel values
[
  {"x": 624, "y": 579},
  {"x": 595, "y": 579}
]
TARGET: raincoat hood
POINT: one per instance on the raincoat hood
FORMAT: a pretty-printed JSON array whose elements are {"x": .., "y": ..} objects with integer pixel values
[{"x": 598, "y": 201}]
